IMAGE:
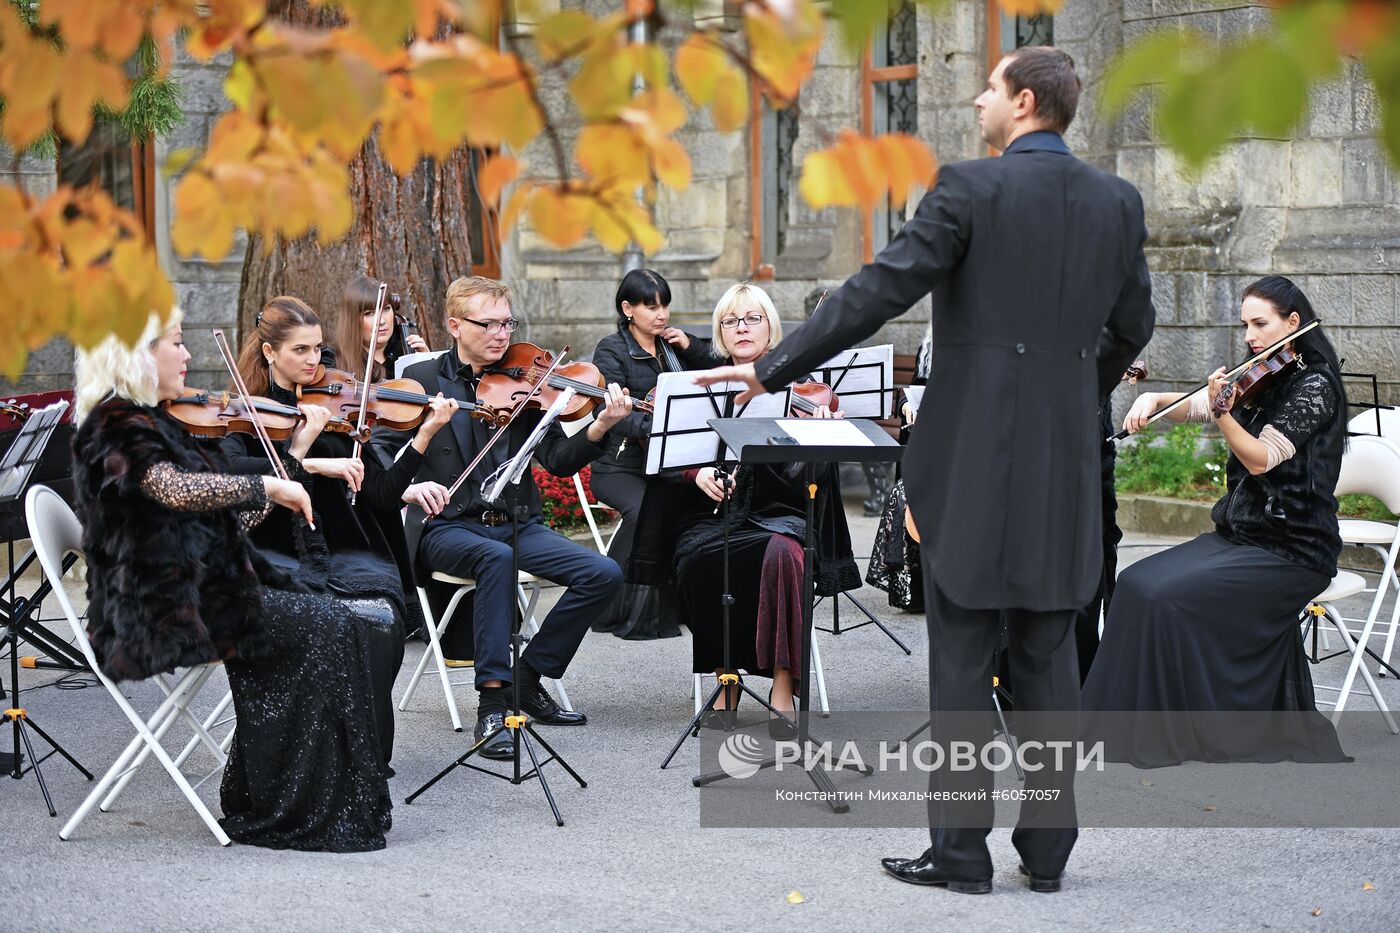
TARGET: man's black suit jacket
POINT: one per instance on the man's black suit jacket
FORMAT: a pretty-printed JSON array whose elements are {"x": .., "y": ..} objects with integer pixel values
[
  {"x": 453, "y": 447},
  {"x": 1041, "y": 298}
]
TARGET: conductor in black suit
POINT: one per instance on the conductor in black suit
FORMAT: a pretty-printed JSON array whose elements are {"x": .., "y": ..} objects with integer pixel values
[{"x": 1035, "y": 261}]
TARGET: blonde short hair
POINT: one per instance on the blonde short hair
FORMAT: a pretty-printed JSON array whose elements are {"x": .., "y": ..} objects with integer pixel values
[
  {"x": 745, "y": 293},
  {"x": 113, "y": 368},
  {"x": 468, "y": 286}
]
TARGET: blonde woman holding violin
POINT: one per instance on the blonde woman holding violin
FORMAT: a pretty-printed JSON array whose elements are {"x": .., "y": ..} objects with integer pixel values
[
  {"x": 1211, "y": 626},
  {"x": 358, "y": 550},
  {"x": 174, "y": 581}
]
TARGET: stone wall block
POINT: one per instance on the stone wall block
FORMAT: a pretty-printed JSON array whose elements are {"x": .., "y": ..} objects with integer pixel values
[
  {"x": 1255, "y": 237},
  {"x": 1164, "y": 297},
  {"x": 1366, "y": 173},
  {"x": 1265, "y": 173},
  {"x": 203, "y": 90},
  {"x": 1373, "y": 301},
  {"x": 1329, "y": 109},
  {"x": 1331, "y": 297},
  {"x": 1317, "y": 172}
]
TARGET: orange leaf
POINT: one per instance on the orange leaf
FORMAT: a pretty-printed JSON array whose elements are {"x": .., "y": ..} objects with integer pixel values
[
  {"x": 731, "y": 105},
  {"x": 497, "y": 172},
  {"x": 699, "y": 64},
  {"x": 671, "y": 164}
]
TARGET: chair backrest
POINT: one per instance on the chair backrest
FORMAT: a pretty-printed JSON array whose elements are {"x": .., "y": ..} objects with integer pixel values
[
  {"x": 55, "y": 531},
  {"x": 1365, "y": 421},
  {"x": 1371, "y": 467}
]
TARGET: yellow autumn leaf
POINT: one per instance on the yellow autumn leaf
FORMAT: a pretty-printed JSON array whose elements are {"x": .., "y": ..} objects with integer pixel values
[
  {"x": 783, "y": 44},
  {"x": 563, "y": 34},
  {"x": 795, "y": 897},
  {"x": 731, "y": 103},
  {"x": 824, "y": 182},
  {"x": 1367, "y": 886},
  {"x": 519, "y": 201},
  {"x": 612, "y": 153},
  {"x": 699, "y": 64},
  {"x": 908, "y": 164},
  {"x": 671, "y": 164},
  {"x": 561, "y": 217},
  {"x": 1030, "y": 7},
  {"x": 385, "y": 24},
  {"x": 495, "y": 173},
  {"x": 202, "y": 224},
  {"x": 85, "y": 82}
]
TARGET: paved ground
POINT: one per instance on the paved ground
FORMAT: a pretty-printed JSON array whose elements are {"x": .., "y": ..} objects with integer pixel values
[{"x": 478, "y": 853}]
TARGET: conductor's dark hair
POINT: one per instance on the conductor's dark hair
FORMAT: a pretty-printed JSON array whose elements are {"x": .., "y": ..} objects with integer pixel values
[
  {"x": 1048, "y": 73},
  {"x": 1317, "y": 351},
  {"x": 641, "y": 287}
]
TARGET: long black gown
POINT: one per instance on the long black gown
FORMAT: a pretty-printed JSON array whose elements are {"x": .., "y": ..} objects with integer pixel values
[
  {"x": 348, "y": 555},
  {"x": 1211, "y": 627}
]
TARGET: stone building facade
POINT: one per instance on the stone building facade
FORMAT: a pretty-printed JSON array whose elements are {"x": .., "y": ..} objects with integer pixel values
[{"x": 1321, "y": 207}]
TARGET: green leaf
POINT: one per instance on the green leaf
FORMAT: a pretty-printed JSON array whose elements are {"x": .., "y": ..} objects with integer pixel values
[
  {"x": 1147, "y": 61},
  {"x": 857, "y": 20},
  {"x": 1270, "y": 88}
]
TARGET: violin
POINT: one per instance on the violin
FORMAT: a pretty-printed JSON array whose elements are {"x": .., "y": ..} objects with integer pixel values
[
  {"x": 216, "y": 414},
  {"x": 1252, "y": 382},
  {"x": 524, "y": 369},
  {"x": 393, "y": 403},
  {"x": 1138, "y": 370},
  {"x": 807, "y": 397}
]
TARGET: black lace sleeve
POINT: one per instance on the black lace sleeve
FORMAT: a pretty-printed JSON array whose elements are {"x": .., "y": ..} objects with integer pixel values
[
  {"x": 1310, "y": 406},
  {"x": 187, "y": 491}
]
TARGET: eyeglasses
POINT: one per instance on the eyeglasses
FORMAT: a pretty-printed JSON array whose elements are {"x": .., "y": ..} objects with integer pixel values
[
  {"x": 753, "y": 320},
  {"x": 493, "y": 328}
]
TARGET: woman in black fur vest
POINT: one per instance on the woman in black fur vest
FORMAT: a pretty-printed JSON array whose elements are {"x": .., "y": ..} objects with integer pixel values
[{"x": 174, "y": 581}]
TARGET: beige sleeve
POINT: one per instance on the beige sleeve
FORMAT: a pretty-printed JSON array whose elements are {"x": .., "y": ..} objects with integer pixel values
[
  {"x": 1280, "y": 447},
  {"x": 1198, "y": 409}
]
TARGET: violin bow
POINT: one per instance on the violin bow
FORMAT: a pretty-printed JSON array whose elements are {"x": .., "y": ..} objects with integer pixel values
[
  {"x": 369, "y": 369},
  {"x": 502, "y": 429},
  {"x": 1232, "y": 374},
  {"x": 258, "y": 429}
]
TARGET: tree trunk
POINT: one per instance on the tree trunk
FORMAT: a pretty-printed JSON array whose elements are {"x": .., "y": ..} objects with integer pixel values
[{"x": 411, "y": 232}]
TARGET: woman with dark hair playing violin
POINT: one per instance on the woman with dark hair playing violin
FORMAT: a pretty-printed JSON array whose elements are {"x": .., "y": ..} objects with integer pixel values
[
  {"x": 357, "y": 551},
  {"x": 173, "y": 581},
  {"x": 1211, "y": 626},
  {"x": 682, "y": 537},
  {"x": 644, "y": 346}
]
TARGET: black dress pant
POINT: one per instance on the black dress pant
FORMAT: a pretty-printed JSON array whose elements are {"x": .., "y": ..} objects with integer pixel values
[{"x": 1045, "y": 669}]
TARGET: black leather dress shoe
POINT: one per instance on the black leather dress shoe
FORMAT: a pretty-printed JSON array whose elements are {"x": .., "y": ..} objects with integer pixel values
[
  {"x": 500, "y": 741},
  {"x": 924, "y": 870},
  {"x": 1042, "y": 884},
  {"x": 543, "y": 710}
]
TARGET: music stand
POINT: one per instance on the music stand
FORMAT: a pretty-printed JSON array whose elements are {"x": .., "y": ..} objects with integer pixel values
[
  {"x": 682, "y": 436},
  {"x": 863, "y": 379},
  {"x": 16, "y": 469},
  {"x": 494, "y": 492},
  {"x": 810, "y": 442}
]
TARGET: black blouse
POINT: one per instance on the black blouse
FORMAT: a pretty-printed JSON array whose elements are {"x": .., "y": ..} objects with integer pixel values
[{"x": 1291, "y": 510}]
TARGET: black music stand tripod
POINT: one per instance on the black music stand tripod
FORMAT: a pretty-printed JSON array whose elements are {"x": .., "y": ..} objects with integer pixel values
[
  {"x": 517, "y": 721},
  {"x": 764, "y": 441},
  {"x": 15, "y": 471}
]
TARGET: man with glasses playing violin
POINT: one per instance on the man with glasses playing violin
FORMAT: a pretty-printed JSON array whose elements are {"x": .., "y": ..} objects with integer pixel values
[{"x": 469, "y": 537}]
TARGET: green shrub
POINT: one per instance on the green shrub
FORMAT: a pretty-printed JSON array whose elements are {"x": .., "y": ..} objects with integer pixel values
[
  {"x": 1367, "y": 507},
  {"x": 1176, "y": 464}
]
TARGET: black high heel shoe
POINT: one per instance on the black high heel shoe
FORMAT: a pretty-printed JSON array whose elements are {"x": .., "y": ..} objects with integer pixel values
[
  {"x": 780, "y": 727},
  {"x": 723, "y": 719}
]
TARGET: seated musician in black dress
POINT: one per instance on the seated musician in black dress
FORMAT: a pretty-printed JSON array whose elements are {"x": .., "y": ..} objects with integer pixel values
[
  {"x": 682, "y": 537},
  {"x": 173, "y": 581},
  {"x": 644, "y": 346},
  {"x": 470, "y": 537},
  {"x": 350, "y": 553},
  {"x": 1212, "y": 625}
]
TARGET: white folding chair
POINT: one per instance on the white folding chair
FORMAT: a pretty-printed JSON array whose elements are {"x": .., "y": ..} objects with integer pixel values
[
  {"x": 1370, "y": 466},
  {"x": 55, "y": 531},
  {"x": 527, "y": 593},
  {"x": 588, "y": 509},
  {"x": 1365, "y": 423},
  {"x": 1343, "y": 585}
]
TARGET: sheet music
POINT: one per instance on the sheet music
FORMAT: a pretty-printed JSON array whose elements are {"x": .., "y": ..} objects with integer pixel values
[
  {"x": 28, "y": 448},
  {"x": 863, "y": 380},
  {"x": 915, "y": 395},
  {"x": 680, "y": 431},
  {"x": 825, "y": 432}
]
